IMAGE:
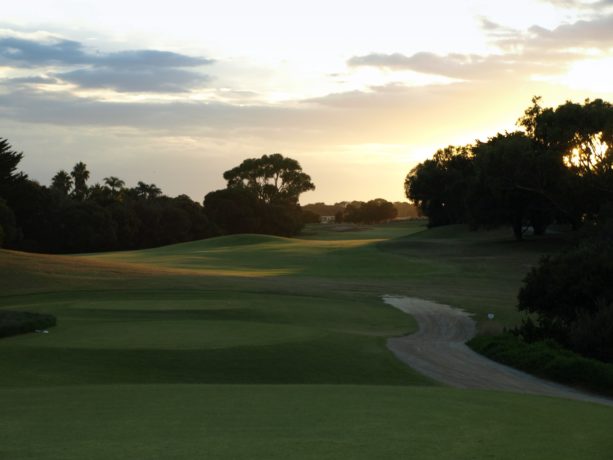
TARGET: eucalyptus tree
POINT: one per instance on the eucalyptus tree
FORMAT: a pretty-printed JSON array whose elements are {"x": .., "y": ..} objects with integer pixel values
[{"x": 271, "y": 178}]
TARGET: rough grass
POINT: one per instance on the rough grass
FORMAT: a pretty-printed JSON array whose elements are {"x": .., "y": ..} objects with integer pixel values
[{"x": 262, "y": 347}]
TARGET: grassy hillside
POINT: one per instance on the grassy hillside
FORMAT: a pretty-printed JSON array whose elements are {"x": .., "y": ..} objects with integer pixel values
[{"x": 261, "y": 347}]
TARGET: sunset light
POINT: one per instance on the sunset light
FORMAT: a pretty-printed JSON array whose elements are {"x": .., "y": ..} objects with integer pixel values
[{"x": 323, "y": 83}]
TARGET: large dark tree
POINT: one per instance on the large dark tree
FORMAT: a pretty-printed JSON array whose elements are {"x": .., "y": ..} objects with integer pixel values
[
  {"x": 439, "y": 186},
  {"x": 234, "y": 210},
  {"x": 514, "y": 184},
  {"x": 261, "y": 197},
  {"x": 271, "y": 178},
  {"x": 581, "y": 136}
]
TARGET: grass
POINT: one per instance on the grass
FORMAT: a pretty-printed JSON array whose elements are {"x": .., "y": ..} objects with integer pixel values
[
  {"x": 261, "y": 347},
  {"x": 297, "y": 421}
]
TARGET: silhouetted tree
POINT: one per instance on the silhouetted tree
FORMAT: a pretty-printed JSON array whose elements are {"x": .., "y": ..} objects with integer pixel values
[
  {"x": 581, "y": 136},
  {"x": 233, "y": 210},
  {"x": 62, "y": 182},
  {"x": 115, "y": 184},
  {"x": 371, "y": 212},
  {"x": 10, "y": 178},
  {"x": 439, "y": 186},
  {"x": 271, "y": 178},
  {"x": 80, "y": 176},
  {"x": 514, "y": 184},
  {"x": 146, "y": 191},
  {"x": 85, "y": 227}
]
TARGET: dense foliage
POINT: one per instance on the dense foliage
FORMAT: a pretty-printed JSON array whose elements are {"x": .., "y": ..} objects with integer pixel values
[
  {"x": 261, "y": 197},
  {"x": 72, "y": 216},
  {"x": 570, "y": 296},
  {"x": 21, "y": 322},
  {"x": 403, "y": 209},
  {"x": 370, "y": 212},
  {"x": 547, "y": 359},
  {"x": 559, "y": 169}
]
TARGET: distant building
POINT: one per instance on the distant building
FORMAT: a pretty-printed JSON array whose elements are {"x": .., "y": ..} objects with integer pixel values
[{"x": 326, "y": 219}]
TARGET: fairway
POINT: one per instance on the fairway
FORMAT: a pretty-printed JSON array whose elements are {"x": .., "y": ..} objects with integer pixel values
[{"x": 254, "y": 346}]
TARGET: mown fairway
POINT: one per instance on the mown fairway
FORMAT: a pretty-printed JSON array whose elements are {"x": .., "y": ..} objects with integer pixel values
[{"x": 264, "y": 347}]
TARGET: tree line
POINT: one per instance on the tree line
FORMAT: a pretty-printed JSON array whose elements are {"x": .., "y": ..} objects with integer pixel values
[
  {"x": 373, "y": 211},
  {"x": 72, "y": 216},
  {"x": 559, "y": 168}
]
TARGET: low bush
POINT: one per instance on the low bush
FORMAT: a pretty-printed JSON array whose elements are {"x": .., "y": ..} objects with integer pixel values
[
  {"x": 21, "y": 322},
  {"x": 547, "y": 359}
]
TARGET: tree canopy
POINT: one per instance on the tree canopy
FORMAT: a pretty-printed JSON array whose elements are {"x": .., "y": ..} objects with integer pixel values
[
  {"x": 261, "y": 197},
  {"x": 271, "y": 178},
  {"x": 559, "y": 169},
  {"x": 72, "y": 216}
]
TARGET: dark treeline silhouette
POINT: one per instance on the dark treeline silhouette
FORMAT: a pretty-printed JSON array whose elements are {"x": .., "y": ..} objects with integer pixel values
[
  {"x": 559, "y": 169},
  {"x": 71, "y": 216},
  {"x": 369, "y": 213}
]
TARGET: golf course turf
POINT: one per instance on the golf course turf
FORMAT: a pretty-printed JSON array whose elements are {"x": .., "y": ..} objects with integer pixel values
[{"x": 254, "y": 346}]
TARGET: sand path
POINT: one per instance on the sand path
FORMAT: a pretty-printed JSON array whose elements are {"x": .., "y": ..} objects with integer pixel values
[{"x": 438, "y": 351}]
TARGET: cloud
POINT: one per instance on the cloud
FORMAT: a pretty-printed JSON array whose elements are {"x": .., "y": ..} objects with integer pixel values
[
  {"x": 522, "y": 54},
  {"x": 16, "y": 51},
  {"x": 594, "y": 33},
  {"x": 582, "y": 4},
  {"x": 462, "y": 66},
  {"x": 124, "y": 71},
  {"x": 20, "y": 52},
  {"x": 135, "y": 80},
  {"x": 35, "y": 79}
]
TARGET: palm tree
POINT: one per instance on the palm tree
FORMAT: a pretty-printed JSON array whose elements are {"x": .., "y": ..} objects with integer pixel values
[
  {"x": 147, "y": 191},
  {"x": 80, "y": 175},
  {"x": 114, "y": 183},
  {"x": 62, "y": 181}
]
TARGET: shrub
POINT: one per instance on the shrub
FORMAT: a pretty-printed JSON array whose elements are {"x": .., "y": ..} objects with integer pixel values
[
  {"x": 570, "y": 296},
  {"x": 21, "y": 322},
  {"x": 547, "y": 359}
]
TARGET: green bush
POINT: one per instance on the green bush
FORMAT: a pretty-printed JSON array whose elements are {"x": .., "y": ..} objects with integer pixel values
[
  {"x": 21, "y": 322},
  {"x": 547, "y": 359},
  {"x": 570, "y": 295}
]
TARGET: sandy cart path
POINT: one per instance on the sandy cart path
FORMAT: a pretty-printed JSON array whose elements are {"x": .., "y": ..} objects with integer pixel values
[{"x": 438, "y": 351}]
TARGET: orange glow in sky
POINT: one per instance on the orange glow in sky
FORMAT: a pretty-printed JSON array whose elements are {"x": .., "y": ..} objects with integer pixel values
[{"x": 358, "y": 92}]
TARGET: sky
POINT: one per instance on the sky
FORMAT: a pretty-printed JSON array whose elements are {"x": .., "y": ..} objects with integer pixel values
[{"x": 176, "y": 93}]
